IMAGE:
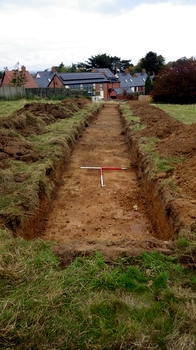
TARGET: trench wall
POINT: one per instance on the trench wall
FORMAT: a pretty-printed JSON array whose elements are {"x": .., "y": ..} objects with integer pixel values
[
  {"x": 29, "y": 229},
  {"x": 162, "y": 208}
]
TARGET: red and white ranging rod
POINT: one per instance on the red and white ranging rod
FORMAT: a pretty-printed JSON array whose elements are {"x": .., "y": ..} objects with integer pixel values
[{"x": 101, "y": 168}]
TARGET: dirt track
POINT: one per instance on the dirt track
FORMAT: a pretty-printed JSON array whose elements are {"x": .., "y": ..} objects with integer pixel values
[{"x": 86, "y": 216}]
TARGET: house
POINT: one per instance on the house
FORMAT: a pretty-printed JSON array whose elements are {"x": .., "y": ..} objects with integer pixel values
[
  {"x": 8, "y": 76},
  {"x": 112, "y": 81},
  {"x": 129, "y": 84},
  {"x": 43, "y": 78},
  {"x": 92, "y": 82}
]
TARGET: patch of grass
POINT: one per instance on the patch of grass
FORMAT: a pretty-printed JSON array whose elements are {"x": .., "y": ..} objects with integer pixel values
[
  {"x": 134, "y": 303},
  {"x": 147, "y": 145},
  {"x": 184, "y": 113},
  {"x": 167, "y": 164},
  {"x": 182, "y": 243},
  {"x": 132, "y": 122}
]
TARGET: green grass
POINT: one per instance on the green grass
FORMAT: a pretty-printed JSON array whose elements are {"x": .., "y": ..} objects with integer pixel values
[
  {"x": 132, "y": 122},
  {"x": 133, "y": 303},
  {"x": 185, "y": 113},
  {"x": 156, "y": 163}
]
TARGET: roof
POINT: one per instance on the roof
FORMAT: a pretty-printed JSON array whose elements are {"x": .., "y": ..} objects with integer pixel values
[
  {"x": 9, "y": 75},
  {"x": 81, "y": 78},
  {"x": 128, "y": 80},
  {"x": 42, "y": 79},
  {"x": 107, "y": 72}
]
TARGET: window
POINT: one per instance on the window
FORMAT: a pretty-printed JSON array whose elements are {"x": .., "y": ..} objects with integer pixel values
[
  {"x": 131, "y": 80},
  {"x": 126, "y": 81},
  {"x": 101, "y": 87}
]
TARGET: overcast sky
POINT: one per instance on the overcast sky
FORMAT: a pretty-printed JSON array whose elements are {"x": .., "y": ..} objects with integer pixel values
[{"x": 43, "y": 33}]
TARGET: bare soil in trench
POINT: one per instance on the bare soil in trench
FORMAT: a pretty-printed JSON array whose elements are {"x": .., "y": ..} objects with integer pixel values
[
  {"x": 117, "y": 218},
  {"x": 85, "y": 216}
]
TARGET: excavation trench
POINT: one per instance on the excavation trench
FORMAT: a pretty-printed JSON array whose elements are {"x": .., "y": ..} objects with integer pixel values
[{"x": 116, "y": 218}]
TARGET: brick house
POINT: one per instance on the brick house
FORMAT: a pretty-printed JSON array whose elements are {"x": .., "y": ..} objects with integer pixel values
[
  {"x": 8, "y": 76},
  {"x": 129, "y": 84},
  {"x": 112, "y": 81},
  {"x": 100, "y": 82},
  {"x": 93, "y": 82}
]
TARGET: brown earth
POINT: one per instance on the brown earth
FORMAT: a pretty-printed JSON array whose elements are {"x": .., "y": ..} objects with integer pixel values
[
  {"x": 118, "y": 217},
  {"x": 177, "y": 140}
]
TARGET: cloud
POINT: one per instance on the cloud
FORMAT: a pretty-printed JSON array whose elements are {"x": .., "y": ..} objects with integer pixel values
[
  {"x": 42, "y": 37},
  {"x": 109, "y": 7},
  {"x": 106, "y": 7}
]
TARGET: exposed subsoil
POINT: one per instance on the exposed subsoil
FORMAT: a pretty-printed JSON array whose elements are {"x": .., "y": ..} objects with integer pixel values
[{"x": 117, "y": 218}]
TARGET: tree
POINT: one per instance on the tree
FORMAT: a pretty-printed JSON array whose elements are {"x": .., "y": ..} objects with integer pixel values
[
  {"x": 66, "y": 69},
  {"x": 177, "y": 83},
  {"x": 148, "y": 85},
  {"x": 114, "y": 63},
  {"x": 152, "y": 63},
  {"x": 19, "y": 77}
]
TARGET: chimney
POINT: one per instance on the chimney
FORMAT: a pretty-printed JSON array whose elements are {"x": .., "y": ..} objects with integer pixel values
[
  {"x": 53, "y": 69},
  {"x": 126, "y": 71},
  {"x": 143, "y": 71},
  {"x": 23, "y": 69}
]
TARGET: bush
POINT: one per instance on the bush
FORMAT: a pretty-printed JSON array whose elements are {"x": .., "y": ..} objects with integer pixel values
[{"x": 176, "y": 84}]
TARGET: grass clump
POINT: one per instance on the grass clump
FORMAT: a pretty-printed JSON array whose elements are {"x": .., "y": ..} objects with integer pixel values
[
  {"x": 132, "y": 122},
  {"x": 158, "y": 163},
  {"x": 133, "y": 303}
]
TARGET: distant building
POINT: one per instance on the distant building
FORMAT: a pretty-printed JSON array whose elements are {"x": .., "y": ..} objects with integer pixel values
[
  {"x": 129, "y": 84},
  {"x": 8, "y": 76},
  {"x": 43, "y": 78},
  {"x": 92, "y": 82}
]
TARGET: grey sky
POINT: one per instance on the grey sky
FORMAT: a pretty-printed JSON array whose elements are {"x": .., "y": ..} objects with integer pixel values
[{"x": 42, "y": 33}]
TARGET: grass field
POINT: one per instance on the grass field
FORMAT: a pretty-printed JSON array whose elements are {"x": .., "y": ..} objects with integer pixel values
[
  {"x": 144, "y": 302},
  {"x": 185, "y": 113}
]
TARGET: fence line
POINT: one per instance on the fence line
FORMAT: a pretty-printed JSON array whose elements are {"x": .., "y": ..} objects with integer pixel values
[{"x": 12, "y": 92}]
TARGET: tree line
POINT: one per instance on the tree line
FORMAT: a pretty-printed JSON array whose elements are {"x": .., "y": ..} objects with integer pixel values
[
  {"x": 152, "y": 63},
  {"x": 173, "y": 82}
]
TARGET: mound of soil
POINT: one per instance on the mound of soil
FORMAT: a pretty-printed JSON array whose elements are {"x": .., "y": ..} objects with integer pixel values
[
  {"x": 176, "y": 140},
  {"x": 11, "y": 147},
  {"x": 31, "y": 120},
  {"x": 158, "y": 123}
]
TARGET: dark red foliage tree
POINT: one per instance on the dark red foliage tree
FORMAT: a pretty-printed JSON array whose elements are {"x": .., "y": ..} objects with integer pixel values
[{"x": 177, "y": 83}]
